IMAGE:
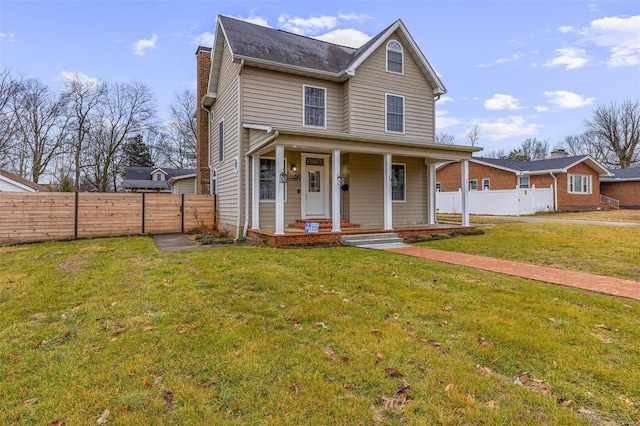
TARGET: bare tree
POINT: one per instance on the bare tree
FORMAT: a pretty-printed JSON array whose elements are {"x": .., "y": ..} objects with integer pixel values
[
  {"x": 444, "y": 138},
  {"x": 180, "y": 142},
  {"x": 500, "y": 153},
  {"x": 9, "y": 89},
  {"x": 575, "y": 144},
  {"x": 534, "y": 149},
  {"x": 82, "y": 95},
  {"x": 473, "y": 135},
  {"x": 41, "y": 127},
  {"x": 614, "y": 132},
  {"x": 125, "y": 110}
]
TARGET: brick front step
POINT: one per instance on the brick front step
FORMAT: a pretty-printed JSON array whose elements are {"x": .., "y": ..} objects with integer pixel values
[{"x": 324, "y": 224}]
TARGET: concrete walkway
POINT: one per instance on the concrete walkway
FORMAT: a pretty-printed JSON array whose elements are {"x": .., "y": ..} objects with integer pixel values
[
  {"x": 597, "y": 283},
  {"x": 174, "y": 242}
]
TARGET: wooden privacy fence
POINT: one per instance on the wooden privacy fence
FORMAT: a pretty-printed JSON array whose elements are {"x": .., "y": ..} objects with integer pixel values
[{"x": 42, "y": 216}]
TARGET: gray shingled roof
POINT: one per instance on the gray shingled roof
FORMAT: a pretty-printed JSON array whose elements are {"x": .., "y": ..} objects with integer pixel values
[
  {"x": 140, "y": 177},
  {"x": 270, "y": 45},
  {"x": 629, "y": 173},
  {"x": 534, "y": 166}
]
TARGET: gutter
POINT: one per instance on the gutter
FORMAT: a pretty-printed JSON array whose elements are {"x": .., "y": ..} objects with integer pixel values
[
  {"x": 555, "y": 191},
  {"x": 240, "y": 146}
]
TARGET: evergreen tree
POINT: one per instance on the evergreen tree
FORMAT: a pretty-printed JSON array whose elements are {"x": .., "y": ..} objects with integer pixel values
[{"x": 136, "y": 152}]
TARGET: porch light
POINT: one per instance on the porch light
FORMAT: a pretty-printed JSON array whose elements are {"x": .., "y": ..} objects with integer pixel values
[
  {"x": 340, "y": 180},
  {"x": 294, "y": 168},
  {"x": 283, "y": 176}
]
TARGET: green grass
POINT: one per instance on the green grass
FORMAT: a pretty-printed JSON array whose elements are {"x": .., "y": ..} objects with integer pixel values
[
  {"x": 598, "y": 249},
  {"x": 245, "y": 335}
]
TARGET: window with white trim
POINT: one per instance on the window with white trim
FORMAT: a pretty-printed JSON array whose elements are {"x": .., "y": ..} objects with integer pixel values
[
  {"x": 221, "y": 142},
  {"x": 315, "y": 106},
  {"x": 523, "y": 182},
  {"x": 158, "y": 176},
  {"x": 269, "y": 179},
  {"x": 394, "y": 57},
  {"x": 486, "y": 183},
  {"x": 398, "y": 182},
  {"x": 394, "y": 121},
  {"x": 579, "y": 184},
  {"x": 473, "y": 184},
  {"x": 438, "y": 186}
]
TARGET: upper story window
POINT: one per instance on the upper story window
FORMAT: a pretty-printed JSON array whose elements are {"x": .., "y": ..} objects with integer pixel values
[
  {"x": 579, "y": 184},
  {"x": 315, "y": 106},
  {"x": 394, "y": 57},
  {"x": 523, "y": 182},
  {"x": 221, "y": 142},
  {"x": 395, "y": 113}
]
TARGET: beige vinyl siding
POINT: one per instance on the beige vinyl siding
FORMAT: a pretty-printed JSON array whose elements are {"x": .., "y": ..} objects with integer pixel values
[
  {"x": 372, "y": 82},
  {"x": 345, "y": 105},
  {"x": 226, "y": 108},
  {"x": 276, "y": 99},
  {"x": 184, "y": 186},
  {"x": 291, "y": 206},
  {"x": 414, "y": 209},
  {"x": 366, "y": 197}
]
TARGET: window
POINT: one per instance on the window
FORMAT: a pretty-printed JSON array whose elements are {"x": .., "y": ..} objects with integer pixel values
[
  {"x": 221, "y": 142},
  {"x": 486, "y": 183},
  {"x": 395, "y": 113},
  {"x": 473, "y": 184},
  {"x": 394, "y": 57},
  {"x": 269, "y": 179},
  {"x": 438, "y": 186},
  {"x": 158, "y": 176},
  {"x": 398, "y": 182},
  {"x": 314, "y": 106},
  {"x": 523, "y": 182},
  {"x": 579, "y": 184}
]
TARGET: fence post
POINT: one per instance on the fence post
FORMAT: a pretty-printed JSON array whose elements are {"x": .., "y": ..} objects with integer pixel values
[
  {"x": 182, "y": 213},
  {"x": 75, "y": 217},
  {"x": 143, "y": 212}
]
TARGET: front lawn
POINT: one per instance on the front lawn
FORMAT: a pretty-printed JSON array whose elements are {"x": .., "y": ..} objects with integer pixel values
[
  {"x": 113, "y": 331},
  {"x": 605, "y": 250}
]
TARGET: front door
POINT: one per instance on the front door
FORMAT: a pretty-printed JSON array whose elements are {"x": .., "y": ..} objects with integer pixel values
[{"x": 315, "y": 186}]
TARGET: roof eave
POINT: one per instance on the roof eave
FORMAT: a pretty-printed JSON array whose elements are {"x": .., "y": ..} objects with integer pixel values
[{"x": 292, "y": 69}]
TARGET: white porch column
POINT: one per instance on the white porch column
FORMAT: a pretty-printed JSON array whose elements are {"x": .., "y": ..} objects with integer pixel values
[
  {"x": 280, "y": 188},
  {"x": 255, "y": 192},
  {"x": 388, "y": 202},
  {"x": 335, "y": 191},
  {"x": 431, "y": 212},
  {"x": 464, "y": 176}
]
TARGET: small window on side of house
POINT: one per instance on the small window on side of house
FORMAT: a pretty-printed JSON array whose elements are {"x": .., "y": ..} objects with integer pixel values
[
  {"x": 221, "y": 142},
  {"x": 579, "y": 184},
  {"x": 486, "y": 183},
  {"x": 158, "y": 176},
  {"x": 523, "y": 182},
  {"x": 473, "y": 184},
  {"x": 438, "y": 186},
  {"x": 398, "y": 187}
]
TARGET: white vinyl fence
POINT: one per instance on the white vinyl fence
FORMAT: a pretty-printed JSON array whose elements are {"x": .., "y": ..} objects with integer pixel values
[{"x": 508, "y": 202}]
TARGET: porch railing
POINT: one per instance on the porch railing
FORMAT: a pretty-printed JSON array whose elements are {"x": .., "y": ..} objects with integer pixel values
[{"x": 612, "y": 202}]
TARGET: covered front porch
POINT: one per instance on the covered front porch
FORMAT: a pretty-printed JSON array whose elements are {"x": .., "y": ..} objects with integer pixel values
[{"x": 341, "y": 184}]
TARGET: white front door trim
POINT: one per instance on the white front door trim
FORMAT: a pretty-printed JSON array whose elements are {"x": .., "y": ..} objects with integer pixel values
[{"x": 324, "y": 186}]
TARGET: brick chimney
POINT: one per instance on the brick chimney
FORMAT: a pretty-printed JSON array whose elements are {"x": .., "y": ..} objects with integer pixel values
[
  {"x": 203, "y": 174},
  {"x": 559, "y": 153}
]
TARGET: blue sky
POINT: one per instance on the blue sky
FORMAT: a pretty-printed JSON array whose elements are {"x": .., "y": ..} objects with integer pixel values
[{"x": 517, "y": 69}]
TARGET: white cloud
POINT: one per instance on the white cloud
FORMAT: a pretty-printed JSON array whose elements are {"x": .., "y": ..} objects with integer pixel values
[
  {"x": 500, "y": 101},
  {"x": 570, "y": 57},
  {"x": 255, "y": 19},
  {"x": 347, "y": 37},
  {"x": 503, "y": 128},
  {"x": 311, "y": 25},
  {"x": 83, "y": 79},
  {"x": 444, "y": 121},
  {"x": 512, "y": 58},
  {"x": 542, "y": 108},
  {"x": 204, "y": 39},
  {"x": 10, "y": 37},
  {"x": 566, "y": 29},
  {"x": 360, "y": 17},
  {"x": 141, "y": 46},
  {"x": 566, "y": 99},
  {"x": 621, "y": 35},
  {"x": 444, "y": 100}
]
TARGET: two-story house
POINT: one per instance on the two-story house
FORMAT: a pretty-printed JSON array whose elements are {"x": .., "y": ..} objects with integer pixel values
[{"x": 297, "y": 129}]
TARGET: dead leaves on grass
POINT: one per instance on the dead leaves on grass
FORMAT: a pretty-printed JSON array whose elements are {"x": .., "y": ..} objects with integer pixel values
[{"x": 103, "y": 418}]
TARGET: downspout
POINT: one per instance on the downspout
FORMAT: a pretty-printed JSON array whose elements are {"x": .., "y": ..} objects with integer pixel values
[
  {"x": 555, "y": 191},
  {"x": 240, "y": 144},
  {"x": 208, "y": 145},
  {"x": 246, "y": 174}
]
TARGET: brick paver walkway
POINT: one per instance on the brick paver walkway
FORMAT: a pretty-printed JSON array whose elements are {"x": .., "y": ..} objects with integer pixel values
[{"x": 598, "y": 283}]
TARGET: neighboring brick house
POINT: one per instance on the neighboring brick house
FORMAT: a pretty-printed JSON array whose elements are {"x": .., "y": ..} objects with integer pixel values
[
  {"x": 10, "y": 182},
  {"x": 157, "y": 179},
  {"x": 576, "y": 180},
  {"x": 624, "y": 186},
  {"x": 302, "y": 129}
]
